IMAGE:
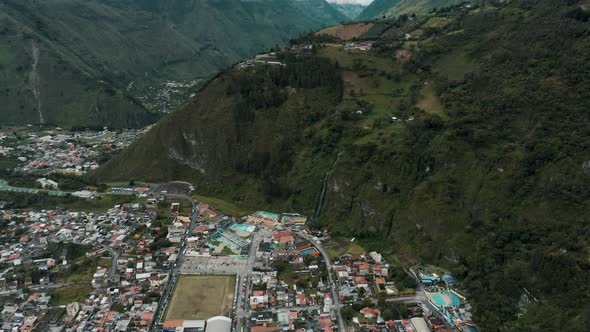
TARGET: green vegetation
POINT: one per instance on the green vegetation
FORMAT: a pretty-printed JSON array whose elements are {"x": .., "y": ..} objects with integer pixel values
[
  {"x": 227, "y": 251},
  {"x": 376, "y": 9},
  {"x": 106, "y": 67},
  {"x": 285, "y": 272},
  {"x": 81, "y": 271},
  {"x": 44, "y": 201},
  {"x": 419, "y": 6},
  {"x": 224, "y": 206},
  {"x": 73, "y": 251},
  {"x": 77, "y": 280},
  {"x": 455, "y": 65},
  {"x": 430, "y": 102},
  {"x": 69, "y": 294},
  {"x": 493, "y": 186},
  {"x": 403, "y": 281},
  {"x": 337, "y": 247},
  {"x": 67, "y": 182},
  {"x": 351, "y": 10},
  {"x": 192, "y": 298}
]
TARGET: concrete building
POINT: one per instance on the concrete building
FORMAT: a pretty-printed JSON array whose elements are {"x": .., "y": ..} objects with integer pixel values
[
  {"x": 47, "y": 183},
  {"x": 72, "y": 309},
  {"x": 218, "y": 324},
  {"x": 420, "y": 324}
]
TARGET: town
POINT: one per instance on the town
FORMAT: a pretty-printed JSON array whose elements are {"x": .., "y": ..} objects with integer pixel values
[
  {"x": 55, "y": 150},
  {"x": 159, "y": 259}
]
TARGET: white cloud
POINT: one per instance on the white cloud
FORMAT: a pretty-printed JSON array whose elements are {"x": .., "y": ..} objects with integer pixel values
[{"x": 362, "y": 2}]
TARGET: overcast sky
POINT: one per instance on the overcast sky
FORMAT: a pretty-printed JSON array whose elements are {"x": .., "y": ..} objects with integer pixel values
[{"x": 363, "y": 2}]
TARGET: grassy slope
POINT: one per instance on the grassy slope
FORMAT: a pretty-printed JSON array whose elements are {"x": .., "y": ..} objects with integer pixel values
[
  {"x": 352, "y": 11},
  {"x": 376, "y": 8},
  {"x": 419, "y": 6},
  {"x": 476, "y": 185}
]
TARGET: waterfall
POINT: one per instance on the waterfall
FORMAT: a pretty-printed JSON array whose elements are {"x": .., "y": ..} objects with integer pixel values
[
  {"x": 324, "y": 186},
  {"x": 34, "y": 80}
]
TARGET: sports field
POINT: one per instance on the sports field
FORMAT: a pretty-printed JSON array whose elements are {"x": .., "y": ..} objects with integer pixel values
[{"x": 201, "y": 297}]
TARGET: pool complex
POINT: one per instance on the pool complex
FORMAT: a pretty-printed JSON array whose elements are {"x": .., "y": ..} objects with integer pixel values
[
  {"x": 244, "y": 228},
  {"x": 307, "y": 251},
  {"x": 446, "y": 299}
]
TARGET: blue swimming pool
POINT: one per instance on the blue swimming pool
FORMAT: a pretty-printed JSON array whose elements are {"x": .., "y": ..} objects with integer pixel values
[
  {"x": 240, "y": 227},
  {"x": 307, "y": 251},
  {"x": 439, "y": 300},
  {"x": 454, "y": 299},
  {"x": 446, "y": 299},
  {"x": 243, "y": 228}
]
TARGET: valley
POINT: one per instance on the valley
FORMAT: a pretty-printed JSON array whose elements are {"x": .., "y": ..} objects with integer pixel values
[
  {"x": 439, "y": 144},
  {"x": 103, "y": 63},
  {"x": 286, "y": 165}
]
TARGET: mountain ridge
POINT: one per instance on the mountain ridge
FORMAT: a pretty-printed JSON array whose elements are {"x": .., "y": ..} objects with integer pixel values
[
  {"x": 393, "y": 8},
  {"x": 464, "y": 145},
  {"x": 104, "y": 63},
  {"x": 376, "y": 8}
]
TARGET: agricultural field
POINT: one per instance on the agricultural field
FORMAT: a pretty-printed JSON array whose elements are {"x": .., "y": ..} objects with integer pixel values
[
  {"x": 347, "y": 32},
  {"x": 429, "y": 101},
  {"x": 201, "y": 297},
  {"x": 224, "y": 206},
  {"x": 337, "y": 247}
]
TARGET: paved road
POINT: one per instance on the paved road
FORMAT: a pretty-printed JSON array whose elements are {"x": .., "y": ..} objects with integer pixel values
[
  {"x": 300, "y": 308},
  {"x": 415, "y": 298},
  {"x": 173, "y": 274},
  {"x": 115, "y": 255},
  {"x": 333, "y": 286},
  {"x": 57, "y": 285},
  {"x": 242, "y": 303},
  {"x": 420, "y": 295},
  {"x": 5, "y": 187}
]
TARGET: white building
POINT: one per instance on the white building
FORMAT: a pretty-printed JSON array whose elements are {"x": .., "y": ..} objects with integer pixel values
[
  {"x": 47, "y": 183},
  {"x": 218, "y": 324}
]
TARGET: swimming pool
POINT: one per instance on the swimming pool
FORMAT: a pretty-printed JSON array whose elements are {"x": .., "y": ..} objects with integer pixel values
[
  {"x": 454, "y": 299},
  {"x": 439, "y": 300},
  {"x": 307, "y": 251},
  {"x": 446, "y": 299},
  {"x": 243, "y": 228}
]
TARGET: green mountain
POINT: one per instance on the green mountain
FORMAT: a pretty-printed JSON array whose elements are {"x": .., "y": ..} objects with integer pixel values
[
  {"x": 91, "y": 62},
  {"x": 419, "y": 6},
  {"x": 466, "y": 145},
  {"x": 376, "y": 8},
  {"x": 320, "y": 10},
  {"x": 351, "y": 10},
  {"x": 392, "y": 8}
]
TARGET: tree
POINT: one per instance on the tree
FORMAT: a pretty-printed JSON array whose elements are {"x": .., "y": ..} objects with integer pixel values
[{"x": 348, "y": 313}]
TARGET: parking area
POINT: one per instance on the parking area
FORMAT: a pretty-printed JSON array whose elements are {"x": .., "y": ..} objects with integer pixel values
[{"x": 214, "y": 265}]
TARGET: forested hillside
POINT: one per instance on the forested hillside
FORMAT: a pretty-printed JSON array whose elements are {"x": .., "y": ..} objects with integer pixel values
[
  {"x": 394, "y": 8},
  {"x": 351, "y": 10},
  {"x": 376, "y": 8},
  {"x": 420, "y": 6},
  {"x": 75, "y": 62},
  {"x": 461, "y": 138}
]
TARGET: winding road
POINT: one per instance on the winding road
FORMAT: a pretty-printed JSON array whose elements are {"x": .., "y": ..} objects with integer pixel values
[{"x": 333, "y": 286}]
